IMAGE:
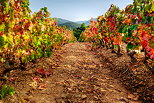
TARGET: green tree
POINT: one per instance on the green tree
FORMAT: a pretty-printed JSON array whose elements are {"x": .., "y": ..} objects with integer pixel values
[{"x": 77, "y": 31}]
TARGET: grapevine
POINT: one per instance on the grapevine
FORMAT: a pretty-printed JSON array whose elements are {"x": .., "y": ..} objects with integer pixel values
[
  {"x": 25, "y": 37},
  {"x": 132, "y": 26}
]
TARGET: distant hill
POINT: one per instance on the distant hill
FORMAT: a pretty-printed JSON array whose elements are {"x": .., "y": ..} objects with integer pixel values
[
  {"x": 80, "y": 22},
  {"x": 62, "y": 21},
  {"x": 87, "y": 22},
  {"x": 70, "y": 25}
]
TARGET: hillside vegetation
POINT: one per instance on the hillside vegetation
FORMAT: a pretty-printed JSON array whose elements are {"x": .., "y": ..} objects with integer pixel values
[{"x": 70, "y": 25}]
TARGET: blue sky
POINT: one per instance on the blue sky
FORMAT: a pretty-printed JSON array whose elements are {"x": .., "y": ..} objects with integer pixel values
[{"x": 77, "y": 10}]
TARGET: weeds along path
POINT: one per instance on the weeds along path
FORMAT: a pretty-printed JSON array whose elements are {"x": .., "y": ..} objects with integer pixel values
[{"x": 77, "y": 76}]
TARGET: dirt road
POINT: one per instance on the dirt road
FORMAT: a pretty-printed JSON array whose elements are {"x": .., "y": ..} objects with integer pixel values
[{"x": 76, "y": 76}]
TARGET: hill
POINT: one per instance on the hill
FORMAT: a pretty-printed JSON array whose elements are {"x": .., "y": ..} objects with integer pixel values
[
  {"x": 70, "y": 25},
  {"x": 62, "y": 21},
  {"x": 87, "y": 22}
]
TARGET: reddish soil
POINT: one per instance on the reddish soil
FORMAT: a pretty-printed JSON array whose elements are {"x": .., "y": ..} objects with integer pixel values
[{"x": 77, "y": 74}]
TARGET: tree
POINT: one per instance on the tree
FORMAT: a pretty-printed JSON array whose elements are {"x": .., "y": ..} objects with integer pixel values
[{"x": 77, "y": 31}]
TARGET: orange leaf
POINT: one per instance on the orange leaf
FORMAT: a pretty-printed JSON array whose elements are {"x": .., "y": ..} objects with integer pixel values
[{"x": 117, "y": 40}]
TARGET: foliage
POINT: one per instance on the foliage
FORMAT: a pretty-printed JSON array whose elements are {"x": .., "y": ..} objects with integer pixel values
[
  {"x": 91, "y": 32},
  {"x": 6, "y": 90},
  {"x": 133, "y": 26},
  {"x": 25, "y": 37},
  {"x": 77, "y": 32}
]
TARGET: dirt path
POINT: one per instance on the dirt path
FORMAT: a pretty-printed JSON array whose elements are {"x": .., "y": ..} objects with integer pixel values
[{"x": 78, "y": 76}]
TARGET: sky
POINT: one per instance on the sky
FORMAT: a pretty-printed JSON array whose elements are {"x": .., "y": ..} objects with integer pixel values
[{"x": 77, "y": 10}]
